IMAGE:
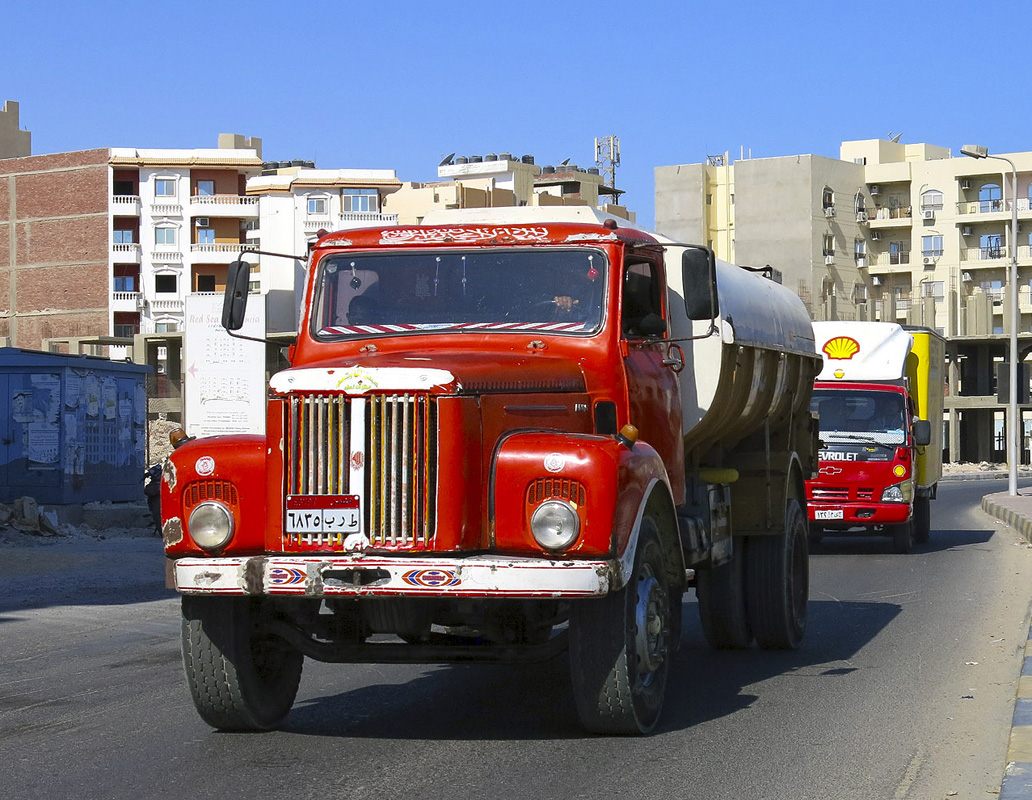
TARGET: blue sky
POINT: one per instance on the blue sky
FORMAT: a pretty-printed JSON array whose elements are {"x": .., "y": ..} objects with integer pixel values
[{"x": 400, "y": 84}]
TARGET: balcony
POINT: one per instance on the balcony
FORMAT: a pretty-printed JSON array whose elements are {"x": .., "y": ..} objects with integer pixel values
[
  {"x": 126, "y": 301},
  {"x": 125, "y": 205},
  {"x": 889, "y": 259},
  {"x": 166, "y": 306},
  {"x": 224, "y": 205},
  {"x": 166, "y": 210},
  {"x": 366, "y": 217},
  {"x": 993, "y": 256},
  {"x": 218, "y": 253},
  {"x": 125, "y": 252},
  {"x": 889, "y": 217}
]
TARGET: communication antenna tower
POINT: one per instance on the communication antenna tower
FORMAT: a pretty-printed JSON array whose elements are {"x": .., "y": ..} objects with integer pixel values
[{"x": 607, "y": 159}]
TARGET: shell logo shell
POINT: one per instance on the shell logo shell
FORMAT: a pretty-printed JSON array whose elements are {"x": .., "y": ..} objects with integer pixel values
[{"x": 841, "y": 348}]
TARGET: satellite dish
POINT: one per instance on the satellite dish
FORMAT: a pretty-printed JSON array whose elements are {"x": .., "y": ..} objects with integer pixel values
[
  {"x": 564, "y": 162},
  {"x": 446, "y": 160},
  {"x": 895, "y": 138}
]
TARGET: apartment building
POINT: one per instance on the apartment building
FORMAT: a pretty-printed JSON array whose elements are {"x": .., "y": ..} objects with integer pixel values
[
  {"x": 888, "y": 231},
  {"x": 108, "y": 242}
]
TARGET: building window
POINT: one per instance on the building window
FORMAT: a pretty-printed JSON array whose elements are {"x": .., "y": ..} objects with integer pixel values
[
  {"x": 828, "y": 198},
  {"x": 205, "y": 283},
  {"x": 860, "y": 203},
  {"x": 859, "y": 249},
  {"x": 205, "y": 236},
  {"x": 991, "y": 245},
  {"x": 899, "y": 252},
  {"x": 360, "y": 201},
  {"x": 859, "y": 293},
  {"x": 205, "y": 188},
  {"x": 165, "y": 327},
  {"x": 125, "y": 283},
  {"x": 316, "y": 205},
  {"x": 165, "y": 187},
  {"x": 165, "y": 236},
  {"x": 124, "y": 331},
  {"x": 166, "y": 284},
  {"x": 931, "y": 200},
  {"x": 709, "y": 199},
  {"x": 122, "y": 237},
  {"x": 829, "y": 244},
  {"x": 989, "y": 198},
  {"x": 936, "y": 289},
  {"x": 931, "y": 245}
]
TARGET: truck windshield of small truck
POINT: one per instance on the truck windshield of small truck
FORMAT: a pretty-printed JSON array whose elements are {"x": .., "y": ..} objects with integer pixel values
[
  {"x": 547, "y": 290},
  {"x": 869, "y": 417}
]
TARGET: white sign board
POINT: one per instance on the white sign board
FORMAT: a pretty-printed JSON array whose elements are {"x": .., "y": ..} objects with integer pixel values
[{"x": 224, "y": 381}]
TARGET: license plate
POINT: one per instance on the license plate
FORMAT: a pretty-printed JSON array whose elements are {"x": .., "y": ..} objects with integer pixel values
[
  {"x": 828, "y": 513},
  {"x": 324, "y": 514}
]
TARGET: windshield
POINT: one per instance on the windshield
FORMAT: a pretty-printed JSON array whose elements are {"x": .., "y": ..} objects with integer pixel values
[
  {"x": 548, "y": 290},
  {"x": 860, "y": 416}
]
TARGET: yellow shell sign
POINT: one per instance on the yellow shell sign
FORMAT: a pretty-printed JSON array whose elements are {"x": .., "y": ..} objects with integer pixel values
[{"x": 841, "y": 348}]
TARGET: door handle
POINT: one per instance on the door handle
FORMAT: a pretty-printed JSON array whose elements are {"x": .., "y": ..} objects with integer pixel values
[{"x": 674, "y": 357}]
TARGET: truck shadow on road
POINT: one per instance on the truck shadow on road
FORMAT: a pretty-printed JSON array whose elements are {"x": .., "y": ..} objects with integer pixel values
[
  {"x": 870, "y": 544},
  {"x": 535, "y": 702}
]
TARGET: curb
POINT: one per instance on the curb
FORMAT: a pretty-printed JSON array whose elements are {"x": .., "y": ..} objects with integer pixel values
[
  {"x": 1017, "y": 777},
  {"x": 1022, "y": 524}
]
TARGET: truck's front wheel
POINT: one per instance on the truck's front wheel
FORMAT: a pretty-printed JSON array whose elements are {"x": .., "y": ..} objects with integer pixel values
[
  {"x": 240, "y": 677},
  {"x": 621, "y": 645}
]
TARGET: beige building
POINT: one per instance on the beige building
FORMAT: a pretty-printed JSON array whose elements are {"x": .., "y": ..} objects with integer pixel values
[
  {"x": 14, "y": 142},
  {"x": 888, "y": 231}
]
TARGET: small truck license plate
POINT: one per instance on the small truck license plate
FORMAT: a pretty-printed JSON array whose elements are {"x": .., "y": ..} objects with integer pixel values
[
  {"x": 828, "y": 513},
  {"x": 324, "y": 514}
]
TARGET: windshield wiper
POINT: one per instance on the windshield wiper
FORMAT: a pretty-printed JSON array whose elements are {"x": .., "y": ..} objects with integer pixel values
[{"x": 848, "y": 436}]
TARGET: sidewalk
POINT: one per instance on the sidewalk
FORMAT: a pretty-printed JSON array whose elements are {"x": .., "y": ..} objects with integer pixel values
[{"x": 1017, "y": 783}]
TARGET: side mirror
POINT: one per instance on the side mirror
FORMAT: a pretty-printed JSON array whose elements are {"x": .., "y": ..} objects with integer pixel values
[
  {"x": 922, "y": 429},
  {"x": 699, "y": 279},
  {"x": 234, "y": 304}
]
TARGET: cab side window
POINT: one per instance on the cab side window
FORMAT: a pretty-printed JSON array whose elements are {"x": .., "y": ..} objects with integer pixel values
[{"x": 642, "y": 307}]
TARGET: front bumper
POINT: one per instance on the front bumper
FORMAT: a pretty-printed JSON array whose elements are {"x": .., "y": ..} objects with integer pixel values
[
  {"x": 360, "y": 575},
  {"x": 857, "y": 514}
]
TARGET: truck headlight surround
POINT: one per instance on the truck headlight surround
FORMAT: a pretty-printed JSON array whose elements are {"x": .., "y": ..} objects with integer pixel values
[
  {"x": 211, "y": 525},
  {"x": 555, "y": 524}
]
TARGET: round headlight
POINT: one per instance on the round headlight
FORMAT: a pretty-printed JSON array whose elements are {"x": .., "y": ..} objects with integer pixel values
[
  {"x": 211, "y": 525},
  {"x": 555, "y": 524}
]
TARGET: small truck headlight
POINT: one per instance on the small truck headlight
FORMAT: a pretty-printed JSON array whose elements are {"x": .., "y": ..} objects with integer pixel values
[
  {"x": 893, "y": 494},
  {"x": 555, "y": 524},
  {"x": 211, "y": 525}
]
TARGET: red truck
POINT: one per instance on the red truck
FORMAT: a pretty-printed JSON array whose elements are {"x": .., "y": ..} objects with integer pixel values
[
  {"x": 501, "y": 437},
  {"x": 879, "y": 397}
]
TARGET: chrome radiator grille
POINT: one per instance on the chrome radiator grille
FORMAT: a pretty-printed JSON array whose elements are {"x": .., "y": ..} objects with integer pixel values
[{"x": 381, "y": 448}]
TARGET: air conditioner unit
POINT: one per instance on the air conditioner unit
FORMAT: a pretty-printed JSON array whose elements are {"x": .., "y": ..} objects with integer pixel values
[
  {"x": 875, "y": 189},
  {"x": 861, "y": 216},
  {"x": 876, "y": 280},
  {"x": 861, "y": 262},
  {"x": 965, "y": 231},
  {"x": 928, "y": 261},
  {"x": 202, "y": 222},
  {"x": 875, "y": 236},
  {"x": 829, "y": 259},
  {"x": 829, "y": 211},
  {"x": 928, "y": 214},
  {"x": 965, "y": 184},
  {"x": 966, "y": 277}
]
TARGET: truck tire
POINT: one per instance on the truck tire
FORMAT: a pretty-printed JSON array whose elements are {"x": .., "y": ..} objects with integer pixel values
[
  {"x": 621, "y": 645},
  {"x": 240, "y": 679},
  {"x": 922, "y": 519},
  {"x": 777, "y": 583},
  {"x": 902, "y": 537},
  {"x": 721, "y": 594}
]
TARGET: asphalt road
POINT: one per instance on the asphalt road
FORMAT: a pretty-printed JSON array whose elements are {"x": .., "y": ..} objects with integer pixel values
[{"x": 903, "y": 688}]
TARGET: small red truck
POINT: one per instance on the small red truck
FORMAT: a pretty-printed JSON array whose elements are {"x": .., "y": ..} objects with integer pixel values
[
  {"x": 503, "y": 435},
  {"x": 879, "y": 397}
]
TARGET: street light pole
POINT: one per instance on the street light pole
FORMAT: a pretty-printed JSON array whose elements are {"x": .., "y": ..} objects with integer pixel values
[{"x": 976, "y": 151}]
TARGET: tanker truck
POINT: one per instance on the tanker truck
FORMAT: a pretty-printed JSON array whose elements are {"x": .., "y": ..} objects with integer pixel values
[
  {"x": 879, "y": 397},
  {"x": 504, "y": 436}
]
